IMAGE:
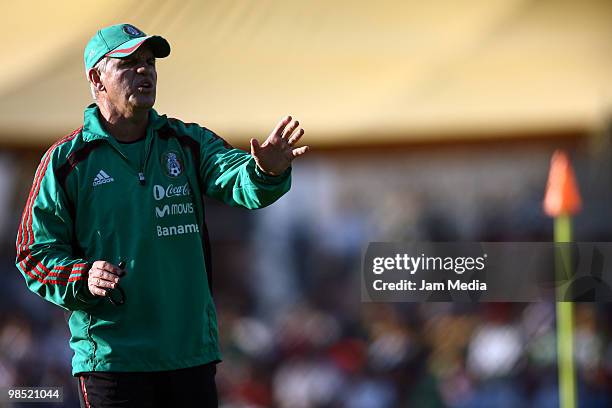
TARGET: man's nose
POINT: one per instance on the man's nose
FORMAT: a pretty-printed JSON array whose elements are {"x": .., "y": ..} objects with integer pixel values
[{"x": 143, "y": 68}]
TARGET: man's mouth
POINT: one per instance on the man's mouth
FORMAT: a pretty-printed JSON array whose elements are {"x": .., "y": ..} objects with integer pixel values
[{"x": 145, "y": 86}]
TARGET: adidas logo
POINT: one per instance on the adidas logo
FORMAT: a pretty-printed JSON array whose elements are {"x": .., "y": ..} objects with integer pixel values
[{"x": 102, "y": 178}]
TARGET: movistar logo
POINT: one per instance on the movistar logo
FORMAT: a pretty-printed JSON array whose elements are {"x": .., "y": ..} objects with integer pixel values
[
  {"x": 161, "y": 213},
  {"x": 174, "y": 209}
]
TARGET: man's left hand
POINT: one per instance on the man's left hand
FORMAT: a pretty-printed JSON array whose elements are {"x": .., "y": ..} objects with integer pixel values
[{"x": 274, "y": 155}]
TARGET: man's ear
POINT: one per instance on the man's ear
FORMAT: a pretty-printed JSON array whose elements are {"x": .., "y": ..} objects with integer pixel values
[{"x": 94, "y": 77}]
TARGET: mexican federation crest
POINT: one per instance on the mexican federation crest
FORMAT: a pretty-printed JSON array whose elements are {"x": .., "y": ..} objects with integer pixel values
[
  {"x": 132, "y": 31},
  {"x": 172, "y": 164}
]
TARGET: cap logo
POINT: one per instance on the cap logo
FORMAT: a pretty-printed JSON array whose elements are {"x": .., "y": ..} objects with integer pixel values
[{"x": 132, "y": 31}]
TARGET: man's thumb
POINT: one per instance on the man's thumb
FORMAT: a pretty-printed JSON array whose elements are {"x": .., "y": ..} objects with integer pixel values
[{"x": 254, "y": 146}]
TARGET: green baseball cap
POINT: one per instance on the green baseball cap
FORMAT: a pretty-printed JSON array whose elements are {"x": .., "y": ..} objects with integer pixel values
[{"x": 119, "y": 41}]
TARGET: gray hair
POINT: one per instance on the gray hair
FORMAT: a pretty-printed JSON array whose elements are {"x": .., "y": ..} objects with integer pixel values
[{"x": 100, "y": 67}]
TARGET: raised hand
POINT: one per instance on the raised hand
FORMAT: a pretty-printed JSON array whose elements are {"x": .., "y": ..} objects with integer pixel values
[{"x": 275, "y": 154}]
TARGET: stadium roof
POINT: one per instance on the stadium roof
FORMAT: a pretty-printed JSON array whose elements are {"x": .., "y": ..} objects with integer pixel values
[{"x": 351, "y": 71}]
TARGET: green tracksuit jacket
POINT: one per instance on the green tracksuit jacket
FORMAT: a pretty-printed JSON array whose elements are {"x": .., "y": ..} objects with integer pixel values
[{"x": 88, "y": 203}]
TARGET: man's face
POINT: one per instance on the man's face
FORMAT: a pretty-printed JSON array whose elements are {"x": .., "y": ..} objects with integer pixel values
[{"x": 131, "y": 82}]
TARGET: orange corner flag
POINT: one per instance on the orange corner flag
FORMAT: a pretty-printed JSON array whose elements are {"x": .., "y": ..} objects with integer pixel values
[{"x": 562, "y": 196}]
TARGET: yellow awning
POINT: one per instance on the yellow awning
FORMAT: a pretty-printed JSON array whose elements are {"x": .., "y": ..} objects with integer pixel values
[{"x": 349, "y": 70}]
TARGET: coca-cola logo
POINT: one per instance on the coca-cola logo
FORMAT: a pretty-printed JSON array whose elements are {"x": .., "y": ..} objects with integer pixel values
[{"x": 161, "y": 192}]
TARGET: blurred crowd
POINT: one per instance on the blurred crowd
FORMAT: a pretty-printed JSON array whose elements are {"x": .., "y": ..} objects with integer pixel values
[
  {"x": 495, "y": 355},
  {"x": 294, "y": 331}
]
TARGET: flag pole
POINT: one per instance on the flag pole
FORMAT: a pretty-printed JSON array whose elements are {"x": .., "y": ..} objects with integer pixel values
[
  {"x": 561, "y": 201},
  {"x": 565, "y": 325}
]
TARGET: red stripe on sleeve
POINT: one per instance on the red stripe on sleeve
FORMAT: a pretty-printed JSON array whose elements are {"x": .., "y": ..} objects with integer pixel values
[
  {"x": 54, "y": 282},
  {"x": 26, "y": 220},
  {"x": 30, "y": 265},
  {"x": 27, "y": 208}
]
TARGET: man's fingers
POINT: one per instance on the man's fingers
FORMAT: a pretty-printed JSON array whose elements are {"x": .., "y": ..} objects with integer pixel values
[
  {"x": 107, "y": 276},
  {"x": 290, "y": 129},
  {"x": 97, "y": 292},
  {"x": 299, "y": 151},
  {"x": 278, "y": 130},
  {"x": 100, "y": 283},
  {"x": 107, "y": 267},
  {"x": 293, "y": 140}
]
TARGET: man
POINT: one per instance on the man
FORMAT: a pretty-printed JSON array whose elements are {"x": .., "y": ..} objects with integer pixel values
[{"x": 113, "y": 230}]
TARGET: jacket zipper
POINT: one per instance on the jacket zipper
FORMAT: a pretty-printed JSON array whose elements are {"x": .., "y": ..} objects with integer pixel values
[
  {"x": 141, "y": 176},
  {"x": 92, "y": 343},
  {"x": 140, "y": 173}
]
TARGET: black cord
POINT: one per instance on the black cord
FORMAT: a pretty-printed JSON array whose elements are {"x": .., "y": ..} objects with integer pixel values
[{"x": 121, "y": 300}]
